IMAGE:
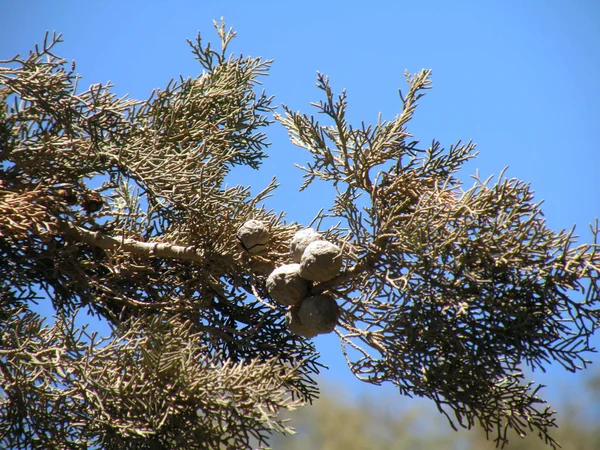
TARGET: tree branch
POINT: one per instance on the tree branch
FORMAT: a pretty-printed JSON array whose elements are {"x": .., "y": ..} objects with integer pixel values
[{"x": 144, "y": 249}]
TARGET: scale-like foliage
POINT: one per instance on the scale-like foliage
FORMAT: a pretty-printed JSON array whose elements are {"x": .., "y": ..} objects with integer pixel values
[
  {"x": 119, "y": 208},
  {"x": 447, "y": 293}
]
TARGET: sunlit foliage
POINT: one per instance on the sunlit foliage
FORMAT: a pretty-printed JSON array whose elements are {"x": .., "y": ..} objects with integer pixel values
[{"x": 119, "y": 208}]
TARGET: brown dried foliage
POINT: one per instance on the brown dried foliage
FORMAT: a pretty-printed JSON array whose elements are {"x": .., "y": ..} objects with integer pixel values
[{"x": 22, "y": 212}]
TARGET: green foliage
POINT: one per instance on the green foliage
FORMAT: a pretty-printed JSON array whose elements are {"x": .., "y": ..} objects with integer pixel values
[
  {"x": 119, "y": 208},
  {"x": 447, "y": 293},
  {"x": 152, "y": 251},
  {"x": 155, "y": 385},
  {"x": 374, "y": 423},
  {"x": 378, "y": 423}
]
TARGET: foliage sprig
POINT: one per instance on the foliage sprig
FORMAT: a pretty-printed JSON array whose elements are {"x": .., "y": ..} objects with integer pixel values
[
  {"x": 119, "y": 208},
  {"x": 448, "y": 293}
]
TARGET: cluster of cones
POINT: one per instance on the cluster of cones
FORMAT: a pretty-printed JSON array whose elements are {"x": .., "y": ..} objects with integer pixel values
[{"x": 314, "y": 260}]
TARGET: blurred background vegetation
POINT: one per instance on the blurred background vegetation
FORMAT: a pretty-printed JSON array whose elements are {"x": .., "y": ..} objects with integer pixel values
[{"x": 339, "y": 420}]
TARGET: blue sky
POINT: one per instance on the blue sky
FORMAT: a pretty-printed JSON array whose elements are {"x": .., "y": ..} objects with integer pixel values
[{"x": 519, "y": 78}]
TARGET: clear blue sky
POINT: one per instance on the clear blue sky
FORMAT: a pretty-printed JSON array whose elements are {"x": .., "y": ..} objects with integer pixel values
[{"x": 519, "y": 78}]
